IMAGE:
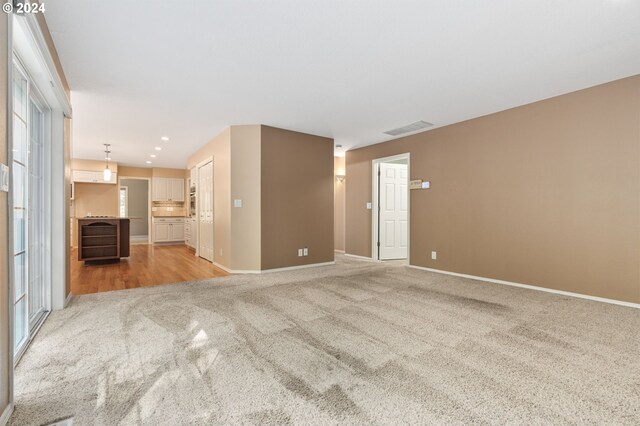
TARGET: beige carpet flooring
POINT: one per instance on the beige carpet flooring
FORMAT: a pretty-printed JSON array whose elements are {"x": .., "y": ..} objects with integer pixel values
[{"x": 355, "y": 343}]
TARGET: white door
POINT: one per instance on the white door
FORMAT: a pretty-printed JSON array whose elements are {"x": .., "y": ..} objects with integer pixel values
[
  {"x": 394, "y": 181},
  {"x": 205, "y": 211},
  {"x": 36, "y": 218},
  {"x": 28, "y": 214}
]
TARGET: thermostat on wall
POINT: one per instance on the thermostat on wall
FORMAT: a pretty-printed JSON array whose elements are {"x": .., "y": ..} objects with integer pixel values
[{"x": 4, "y": 178}]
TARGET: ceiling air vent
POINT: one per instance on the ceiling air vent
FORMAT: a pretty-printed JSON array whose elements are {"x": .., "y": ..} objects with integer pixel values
[{"x": 413, "y": 127}]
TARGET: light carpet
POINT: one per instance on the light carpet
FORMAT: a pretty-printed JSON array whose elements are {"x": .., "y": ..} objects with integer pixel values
[{"x": 355, "y": 343}]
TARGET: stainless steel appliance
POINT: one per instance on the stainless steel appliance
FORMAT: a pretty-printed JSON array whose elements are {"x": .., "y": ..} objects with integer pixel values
[{"x": 192, "y": 201}]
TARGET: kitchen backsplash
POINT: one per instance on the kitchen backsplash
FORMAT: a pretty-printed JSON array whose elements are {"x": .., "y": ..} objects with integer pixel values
[{"x": 168, "y": 208}]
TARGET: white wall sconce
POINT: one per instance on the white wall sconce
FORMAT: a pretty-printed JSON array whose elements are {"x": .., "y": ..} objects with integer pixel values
[{"x": 340, "y": 178}]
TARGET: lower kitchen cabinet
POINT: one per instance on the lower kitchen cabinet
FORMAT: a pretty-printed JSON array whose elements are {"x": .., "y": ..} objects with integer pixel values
[{"x": 168, "y": 230}]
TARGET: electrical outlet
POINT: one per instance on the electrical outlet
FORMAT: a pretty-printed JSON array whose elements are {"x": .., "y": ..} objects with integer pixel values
[
  {"x": 434, "y": 255},
  {"x": 300, "y": 253},
  {"x": 305, "y": 252}
]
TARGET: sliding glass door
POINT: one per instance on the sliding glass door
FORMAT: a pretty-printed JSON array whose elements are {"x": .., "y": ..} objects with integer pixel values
[
  {"x": 36, "y": 216},
  {"x": 28, "y": 211},
  {"x": 20, "y": 189}
]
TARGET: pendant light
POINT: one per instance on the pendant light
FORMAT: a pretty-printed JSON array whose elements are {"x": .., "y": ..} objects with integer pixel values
[{"x": 107, "y": 171}]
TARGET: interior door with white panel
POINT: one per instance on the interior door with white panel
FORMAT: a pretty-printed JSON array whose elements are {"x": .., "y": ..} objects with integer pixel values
[
  {"x": 393, "y": 208},
  {"x": 205, "y": 211}
]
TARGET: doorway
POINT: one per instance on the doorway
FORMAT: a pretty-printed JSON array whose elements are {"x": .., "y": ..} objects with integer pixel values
[
  {"x": 390, "y": 212},
  {"x": 134, "y": 202},
  {"x": 205, "y": 210},
  {"x": 30, "y": 235}
]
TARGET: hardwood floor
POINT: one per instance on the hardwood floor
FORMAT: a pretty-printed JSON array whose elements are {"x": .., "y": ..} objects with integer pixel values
[{"x": 148, "y": 265}]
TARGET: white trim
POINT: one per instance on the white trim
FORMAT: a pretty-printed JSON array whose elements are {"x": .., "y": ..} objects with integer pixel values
[
  {"x": 339, "y": 251},
  {"x": 531, "y": 287},
  {"x": 375, "y": 165},
  {"x": 355, "y": 256},
  {"x": 68, "y": 300},
  {"x": 293, "y": 268},
  {"x": 4, "y": 419},
  {"x": 267, "y": 271},
  {"x": 45, "y": 55}
]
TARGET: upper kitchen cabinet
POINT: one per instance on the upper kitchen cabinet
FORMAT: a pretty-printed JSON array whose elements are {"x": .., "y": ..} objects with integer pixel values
[
  {"x": 168, "y": 189},
  {"x": 88, "y": 176}
]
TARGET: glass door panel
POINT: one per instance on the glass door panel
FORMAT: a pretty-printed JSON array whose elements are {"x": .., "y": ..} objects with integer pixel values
[
  {"x": 36, "y": 214},
  {"x": 20, "y": 214}
]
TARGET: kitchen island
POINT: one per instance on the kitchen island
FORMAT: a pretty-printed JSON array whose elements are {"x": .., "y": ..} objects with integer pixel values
[{"x": 103, "y": 239}]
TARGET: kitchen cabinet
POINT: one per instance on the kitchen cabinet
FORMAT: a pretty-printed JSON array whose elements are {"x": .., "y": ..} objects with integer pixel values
[
  {"x": 168, "y": 230},
  {"x": 168, "y": 189},
  {"x": 190, "y": 232},
  {"x": 88, "y": 176}
]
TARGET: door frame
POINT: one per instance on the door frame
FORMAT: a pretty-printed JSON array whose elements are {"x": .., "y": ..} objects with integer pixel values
[
  {"x": 149, "y": 202},
  {"x": 199, "y": 200},
  {"x": 375, "y": 204}
]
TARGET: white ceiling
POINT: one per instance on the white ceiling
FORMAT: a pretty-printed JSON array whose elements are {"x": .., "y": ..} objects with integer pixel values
[{"x": 139, "y": 70}]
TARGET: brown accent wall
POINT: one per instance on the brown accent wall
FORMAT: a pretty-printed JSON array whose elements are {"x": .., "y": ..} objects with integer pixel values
[
  {"x": 296, "y": 198},
  {"x": 546, "y": 194},
  {"x": 5, "y": 346},
  {"x": 338, "y": 200}
]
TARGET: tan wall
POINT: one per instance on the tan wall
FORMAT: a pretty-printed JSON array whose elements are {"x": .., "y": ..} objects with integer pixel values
[
  {"x": 546, "y": 194},
  {"x": 338, "y": 202},
  {"x": 142, "y": 172},
  {"x": 5, "y": 347},
  {"x": 168, "y": 173},
  {"x": 220, "y": 149},
  {"x": 93, "y": 165},
  {"x": 297, "y": 198},
  {"x": 245, "y": 186},
  {"x": 99, "y": 199}
]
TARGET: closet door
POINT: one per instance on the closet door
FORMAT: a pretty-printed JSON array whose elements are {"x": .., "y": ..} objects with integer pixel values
[{"x": 205, "y": 211}]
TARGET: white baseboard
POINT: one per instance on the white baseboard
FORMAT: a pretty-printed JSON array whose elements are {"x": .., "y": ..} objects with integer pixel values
[
  {"x": 339, "y": 251},
  {"x": 266, "y": 271},
  {"x": 236, "y": 271},
  {"x": 355, "y": 256},
  {"x": 293, "y": 268},
  {"x": 531, "y": 287},
  {"x": 4, "y": 419}
]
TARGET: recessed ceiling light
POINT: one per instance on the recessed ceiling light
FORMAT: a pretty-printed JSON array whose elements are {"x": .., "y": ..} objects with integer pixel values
[
  {"x": 165, "y": 138},
  {"x": 148, "y": 162},
  {"x": 152, "y": 156},
  {"x": 158, "y": 148}
]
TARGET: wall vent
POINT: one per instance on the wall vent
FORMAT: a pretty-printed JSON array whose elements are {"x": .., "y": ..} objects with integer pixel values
[{"x": 413, "y": 127}]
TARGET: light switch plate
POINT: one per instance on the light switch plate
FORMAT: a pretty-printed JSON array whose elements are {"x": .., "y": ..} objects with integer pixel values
[
  {"x": 368, "y": 206},
  {"x": 4, "y": 178},
  {"x": 426, "y": 184},
  {"x": 237, "y": 203}
]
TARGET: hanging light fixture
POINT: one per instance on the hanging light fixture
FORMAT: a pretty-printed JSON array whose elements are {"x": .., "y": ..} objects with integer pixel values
[{"x": 107, "y": 171}]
